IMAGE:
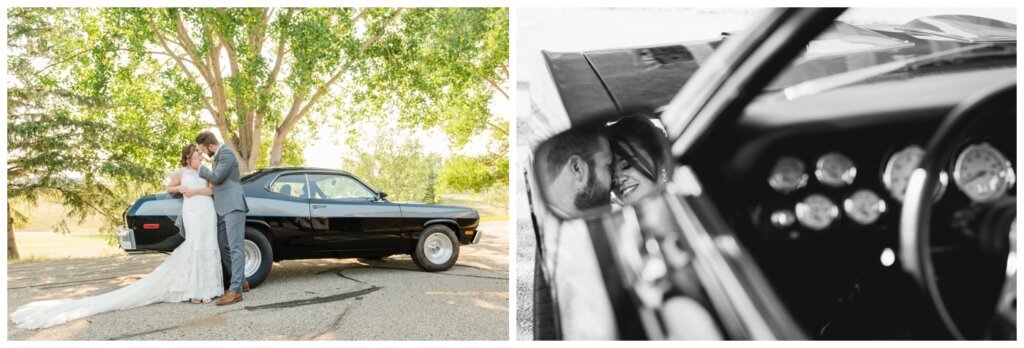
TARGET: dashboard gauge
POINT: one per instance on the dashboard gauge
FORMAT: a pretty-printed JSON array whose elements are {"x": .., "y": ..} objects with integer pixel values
[
  {"x": 816, "y": 212},
  {"x": 834, "y": 169},
  {"x": 864, "y": 207},
  {"x": 983, "y": 173},
  {"x": 788, "y": 174},
  {"x": 782, "y": 218},
  {"x": 898, "y": 169}
]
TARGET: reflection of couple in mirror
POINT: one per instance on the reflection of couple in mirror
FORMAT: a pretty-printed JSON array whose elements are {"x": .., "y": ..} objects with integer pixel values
[{"x": 592, "y": 167}]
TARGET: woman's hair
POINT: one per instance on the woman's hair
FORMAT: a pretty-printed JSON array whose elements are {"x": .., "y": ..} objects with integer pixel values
[
  {"x": 633, "y": 134},
  {"x": 186, "y": 153}
]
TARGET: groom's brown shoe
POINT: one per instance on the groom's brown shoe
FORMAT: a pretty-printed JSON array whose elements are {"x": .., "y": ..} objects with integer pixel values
[
  {"x": 229, "y": 297},
  {"x": 245, "y": 287}
]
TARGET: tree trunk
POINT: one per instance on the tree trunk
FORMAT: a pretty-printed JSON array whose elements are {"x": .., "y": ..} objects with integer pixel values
[
  {"x": 12, "y": 247},
  {"x": 277, "y": 148},
  {"x": 243, "y": 166}
]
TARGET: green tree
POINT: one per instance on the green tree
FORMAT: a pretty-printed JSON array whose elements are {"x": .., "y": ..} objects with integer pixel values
[
  {"x": 91, "y": 135},
  {"x": 254, "y": 68},
  {"x": 402, "y": 170},
  {"x": 444, "y": 76}
]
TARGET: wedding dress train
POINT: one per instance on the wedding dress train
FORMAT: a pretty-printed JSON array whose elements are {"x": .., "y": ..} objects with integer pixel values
[{"x": 192, "y": 271}]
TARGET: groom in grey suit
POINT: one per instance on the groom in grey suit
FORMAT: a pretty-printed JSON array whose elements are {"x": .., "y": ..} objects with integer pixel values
[{"x": 229, "y": 201}]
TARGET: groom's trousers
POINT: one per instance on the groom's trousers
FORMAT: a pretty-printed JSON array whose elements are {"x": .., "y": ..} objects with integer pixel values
[{"x": 231, "y": 236}]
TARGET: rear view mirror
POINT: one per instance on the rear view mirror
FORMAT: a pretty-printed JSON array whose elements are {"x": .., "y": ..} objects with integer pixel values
[{"x": 590, "y": 169}]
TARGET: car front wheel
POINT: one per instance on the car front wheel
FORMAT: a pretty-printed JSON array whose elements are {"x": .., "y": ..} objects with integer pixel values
[{"x": 437, "y": 249}]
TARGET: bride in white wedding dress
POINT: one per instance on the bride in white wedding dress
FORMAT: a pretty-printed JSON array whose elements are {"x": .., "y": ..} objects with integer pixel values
[{"x": 191, "y": 273}]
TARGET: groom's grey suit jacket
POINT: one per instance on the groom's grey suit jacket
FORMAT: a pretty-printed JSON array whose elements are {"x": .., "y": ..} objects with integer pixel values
[{"x": 228, "y": 195}]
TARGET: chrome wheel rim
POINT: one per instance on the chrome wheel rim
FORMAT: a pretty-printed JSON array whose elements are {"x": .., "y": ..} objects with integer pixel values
[
  {"x": 438, "y": 248},
  {"x": 253, "y": 258}
]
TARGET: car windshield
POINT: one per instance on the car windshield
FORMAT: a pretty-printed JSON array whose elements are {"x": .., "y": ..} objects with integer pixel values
[{"x": 869, "y": 44}]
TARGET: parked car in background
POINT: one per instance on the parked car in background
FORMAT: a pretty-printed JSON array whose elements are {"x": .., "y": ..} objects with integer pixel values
[{"x": 310, "y": 213}]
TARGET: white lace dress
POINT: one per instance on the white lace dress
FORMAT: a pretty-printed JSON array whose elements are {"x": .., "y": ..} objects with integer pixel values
[{"x": 193, "y": 270}]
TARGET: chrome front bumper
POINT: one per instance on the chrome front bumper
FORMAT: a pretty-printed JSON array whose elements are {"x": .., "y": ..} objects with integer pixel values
[
  {"x": 476, "y": 237},
  {"x": 126, "y": 237}
]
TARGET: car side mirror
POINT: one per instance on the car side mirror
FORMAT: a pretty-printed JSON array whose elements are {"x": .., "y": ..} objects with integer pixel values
[
  {"x": 382, "y": 195},
  {"x": 590, "y": 169}
]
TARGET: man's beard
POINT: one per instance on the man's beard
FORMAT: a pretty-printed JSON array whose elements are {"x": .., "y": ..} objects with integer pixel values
[{"x": 593, "y": 195}]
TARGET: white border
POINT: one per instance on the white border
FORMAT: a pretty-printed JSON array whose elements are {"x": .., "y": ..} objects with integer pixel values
[{"x": 514, "y": 172}]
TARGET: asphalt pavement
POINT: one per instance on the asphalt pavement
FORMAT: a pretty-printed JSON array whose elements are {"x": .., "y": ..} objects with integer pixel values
[{"x": 328, "y": 299}]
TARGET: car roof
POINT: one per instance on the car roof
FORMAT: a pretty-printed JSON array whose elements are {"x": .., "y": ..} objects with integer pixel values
[{"x": 263, "y": 172}]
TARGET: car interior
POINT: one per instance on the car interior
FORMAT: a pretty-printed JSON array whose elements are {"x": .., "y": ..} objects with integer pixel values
[
  {"x": 814, "y": 187},
  {"x": 819, "y": 191}
]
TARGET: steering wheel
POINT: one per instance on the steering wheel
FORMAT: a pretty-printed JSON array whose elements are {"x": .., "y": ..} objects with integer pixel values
[{"x": 995, "y": 221}]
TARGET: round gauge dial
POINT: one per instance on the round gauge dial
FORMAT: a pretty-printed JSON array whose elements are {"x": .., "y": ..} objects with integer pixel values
[
  {"x": 834, "y": 169},
  {"x": 816, "y": 212},
  {"x": 782, "y": 218},
  {"x": 864, "y": 207},
  {"x": 983, "y": 173},
  {"x": 898, "y": 169},
  {"x": 788, "y": 174}
]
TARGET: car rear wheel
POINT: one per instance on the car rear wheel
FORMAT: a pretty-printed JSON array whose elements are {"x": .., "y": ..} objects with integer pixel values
[
  {"x": 259, "y": 257},
  {"x": 437, "y": 249}
]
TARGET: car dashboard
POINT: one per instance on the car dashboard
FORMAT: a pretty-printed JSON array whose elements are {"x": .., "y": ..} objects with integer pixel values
[{"x": 814, "y": 188}]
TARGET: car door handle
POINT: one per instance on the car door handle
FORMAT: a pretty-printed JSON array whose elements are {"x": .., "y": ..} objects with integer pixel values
[{"x": 318, "y": 206}]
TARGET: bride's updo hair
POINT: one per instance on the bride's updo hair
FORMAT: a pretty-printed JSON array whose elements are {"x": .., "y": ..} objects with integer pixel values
[{"x": 186, "y": 153}]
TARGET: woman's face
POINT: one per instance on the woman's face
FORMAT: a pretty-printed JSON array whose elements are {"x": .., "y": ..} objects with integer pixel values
[
  {"x": 630, "y": 183},
  {"x": 195, "y": 160}
]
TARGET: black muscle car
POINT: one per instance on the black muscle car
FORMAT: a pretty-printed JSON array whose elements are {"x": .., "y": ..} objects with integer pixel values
[
  {"x": 825, "y": 181},
  {"x": 309, "y": 213}
]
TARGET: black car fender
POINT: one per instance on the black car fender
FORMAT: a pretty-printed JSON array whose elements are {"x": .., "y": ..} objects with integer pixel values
[
  {"x": 263, "y": 227},
  {"x": 447, "y": 222}
]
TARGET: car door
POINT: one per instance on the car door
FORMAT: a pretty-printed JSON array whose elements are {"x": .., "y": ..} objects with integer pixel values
[
  {"x": 349, "y": 219},
  {"x": 286, "y": 211}
]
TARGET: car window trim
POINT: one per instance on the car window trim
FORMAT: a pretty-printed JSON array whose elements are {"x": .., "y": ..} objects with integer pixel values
[
  {"x": 271, "y": 183},
  {"x": 367, "y": 187}
]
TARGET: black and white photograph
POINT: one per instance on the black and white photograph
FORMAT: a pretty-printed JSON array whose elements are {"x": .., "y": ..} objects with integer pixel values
[{"x": 766, "y": 174}]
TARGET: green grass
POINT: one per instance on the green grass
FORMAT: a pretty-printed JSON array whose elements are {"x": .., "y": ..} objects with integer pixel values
[
  {"x": 476, "y": 201},
  {"x": 45, "y": 214},
  {"x": 37, "y": 246}
]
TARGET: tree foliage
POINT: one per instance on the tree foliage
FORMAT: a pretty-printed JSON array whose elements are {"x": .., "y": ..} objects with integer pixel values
[
  {"x": 402, "y": 170},
  {"x": 441, "y": 69},
  {"x": 259, "y": 71},
  {"x": 79, "y": 128},
  {"x": 103, "y": 98}
]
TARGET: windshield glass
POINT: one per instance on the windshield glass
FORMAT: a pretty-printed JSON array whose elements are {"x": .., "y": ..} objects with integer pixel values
[{"x": 868, "y": 44}]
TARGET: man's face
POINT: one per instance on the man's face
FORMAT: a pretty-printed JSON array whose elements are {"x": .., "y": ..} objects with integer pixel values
[
  {"x": 206, "y": 149},
  {"x": 596, "y": 192}
]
